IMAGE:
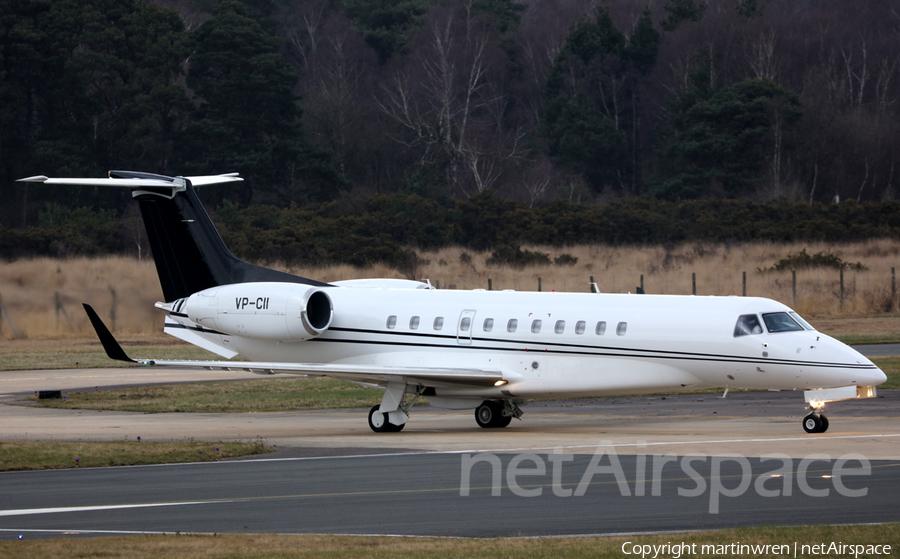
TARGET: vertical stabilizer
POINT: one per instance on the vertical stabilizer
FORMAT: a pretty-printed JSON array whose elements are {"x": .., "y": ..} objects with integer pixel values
[{"x": 190, "y": 255}]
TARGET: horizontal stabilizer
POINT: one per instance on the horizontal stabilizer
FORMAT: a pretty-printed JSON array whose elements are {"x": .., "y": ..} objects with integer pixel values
[{"x": 137, "y": 180}]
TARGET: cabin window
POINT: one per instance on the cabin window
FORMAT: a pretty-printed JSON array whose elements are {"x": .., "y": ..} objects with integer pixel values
[
  {"x": 414, "y": 323},
  {"x": 601, "y": 328},
  {"x": 780, "y": 322},
  {"x": 620, "y": 329},
  {"x": 439, "y": 323},
  {"x": 536, "y": 327},
  {"x": 560, "y": 326},
  {"x": 392, "y": 321},
  {"x": 579, "y": 327},
  {"x": 747, "y": 325},
  {"x": 464, "y": 324},
  {"x": 512, "y": 325},
  {"x": 488, "y": 324}
]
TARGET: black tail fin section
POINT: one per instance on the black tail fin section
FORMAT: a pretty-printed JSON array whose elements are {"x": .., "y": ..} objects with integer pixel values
[{"x": 190, "y": 255}]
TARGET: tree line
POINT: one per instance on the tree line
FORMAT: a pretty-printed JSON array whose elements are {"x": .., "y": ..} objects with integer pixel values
[
  {"x": 397, "y": 228},
  {"x": 317, "y": 101}
]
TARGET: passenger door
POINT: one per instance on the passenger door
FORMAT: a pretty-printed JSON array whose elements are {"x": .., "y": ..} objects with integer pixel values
[{"x": 464, "y": 327}]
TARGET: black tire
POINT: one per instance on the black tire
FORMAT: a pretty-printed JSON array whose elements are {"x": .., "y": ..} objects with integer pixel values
[
  {"x": 812, "y": 424},
  {"x": 486, "y": 414},
  {"x": 395, "y": 428},
  {"x": 378, "y": 421},
  {"x": 489, "y": 415},
  {"x": 824, "y": 423}
]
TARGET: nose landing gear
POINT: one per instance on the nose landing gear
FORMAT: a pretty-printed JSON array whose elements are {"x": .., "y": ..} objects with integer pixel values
[{"x": 815, "y": 421}]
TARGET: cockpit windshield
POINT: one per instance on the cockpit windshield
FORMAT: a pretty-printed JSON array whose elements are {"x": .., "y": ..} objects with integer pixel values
[
  {"x": 802, "y": 322},
  {"x": 780, "y": 322},
  {"x": 747, "y": 325}
]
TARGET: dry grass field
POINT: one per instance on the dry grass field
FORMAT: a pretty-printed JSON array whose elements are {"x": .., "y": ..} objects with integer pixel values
[{"x": 42, "y": 297}]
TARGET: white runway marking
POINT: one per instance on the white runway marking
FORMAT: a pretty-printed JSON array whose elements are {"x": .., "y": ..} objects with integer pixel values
[
  {"x": 522, "y": 449},
  {"x": 23, "y": 512}
]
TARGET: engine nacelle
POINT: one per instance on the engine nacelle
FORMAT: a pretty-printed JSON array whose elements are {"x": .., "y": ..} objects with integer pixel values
[{"x": 265, "y": 311}]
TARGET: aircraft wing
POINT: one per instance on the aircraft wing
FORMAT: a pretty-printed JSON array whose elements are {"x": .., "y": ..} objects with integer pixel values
[{"x": 367, "y": 374}]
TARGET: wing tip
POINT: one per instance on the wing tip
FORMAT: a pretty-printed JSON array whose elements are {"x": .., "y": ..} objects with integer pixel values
[
  {"x": 36, "y": 178},
  {"x": 107, "y": 340}
]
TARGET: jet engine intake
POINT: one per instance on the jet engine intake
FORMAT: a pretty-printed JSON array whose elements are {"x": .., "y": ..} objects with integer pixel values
[
  {"x": 316, "y": 312},
  {"x": 265, "y": 311}
]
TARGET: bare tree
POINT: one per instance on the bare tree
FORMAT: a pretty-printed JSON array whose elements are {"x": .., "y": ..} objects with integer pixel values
[
  {"x": 762, "y": 56},
  {"x": 447, "y": 101}
]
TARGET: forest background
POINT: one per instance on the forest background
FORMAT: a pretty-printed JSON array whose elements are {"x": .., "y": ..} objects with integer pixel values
[{"x": 366, "y": 128}]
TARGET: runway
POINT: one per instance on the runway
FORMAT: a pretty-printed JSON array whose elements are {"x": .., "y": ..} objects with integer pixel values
[
  {"x": 600, "y": 466},
  {"x": 434, "y": 495}
]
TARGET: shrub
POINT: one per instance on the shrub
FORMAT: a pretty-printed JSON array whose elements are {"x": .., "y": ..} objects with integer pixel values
[
  {"x": 508, "y": 255},
  {"x": 565, "y": 259},
  {"x": 803, "y": 260}
]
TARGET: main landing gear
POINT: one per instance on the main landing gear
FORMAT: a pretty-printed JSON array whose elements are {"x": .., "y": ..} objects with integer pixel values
[
  {"x": 379, "y": 422},
  {"x": 496, "y": 413},
  {"x": 488, "y": 414}
]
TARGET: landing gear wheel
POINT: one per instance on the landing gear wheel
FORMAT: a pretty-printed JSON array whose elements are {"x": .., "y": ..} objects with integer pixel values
[
  {"x": 490, "y": 415},
  {"x": 395, "y": 428},
  {"x": 813, "y": 424},
  {"x": 379, "y": 421},
  {"x": 485, "y": 414},
  {"x": 824, "y": 421}
]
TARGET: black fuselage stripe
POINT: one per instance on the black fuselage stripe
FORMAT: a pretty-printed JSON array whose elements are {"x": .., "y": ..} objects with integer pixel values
[
  {"x": 576, "y": 350},
  {"x": 200, "y": 329}
]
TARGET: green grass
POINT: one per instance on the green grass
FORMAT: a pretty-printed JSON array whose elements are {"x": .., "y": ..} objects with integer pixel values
[
  {"x": 263, "y": 395},
  {"x": 259, "y": 546},
  {"x": 46, "y": 455},
  {"x": 859, "y": 339},
  {"x": 891, "y": 367},
  {"x": 66, "y": 355}
]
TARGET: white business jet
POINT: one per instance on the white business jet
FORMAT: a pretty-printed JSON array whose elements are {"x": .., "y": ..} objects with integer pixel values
[{"x": 484, "y": 350}]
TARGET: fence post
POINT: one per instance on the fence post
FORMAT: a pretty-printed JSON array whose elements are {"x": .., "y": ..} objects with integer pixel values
[
  {"x": 592, "y": 284},
  {"x": 112, "y": 312},
  {"x": 61, "y": 309},
  {"x": 794, "y": 286},
  {"x": 842, "y": 290},
  {"x": 693, "y": 283},
  {"x": 4, "y": 314},
  {"x": 744, "y": 289},
  {"x": 539, "y": 284},
  {"x": 893, "y": 288},
  {"x": 490, "y": 285},
  {"x": 642, "y": 282}
]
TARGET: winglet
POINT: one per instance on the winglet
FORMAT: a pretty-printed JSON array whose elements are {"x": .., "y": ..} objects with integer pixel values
[
  {"x": 37, "y": 178},
  {"x": 112, "y": 347}
]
